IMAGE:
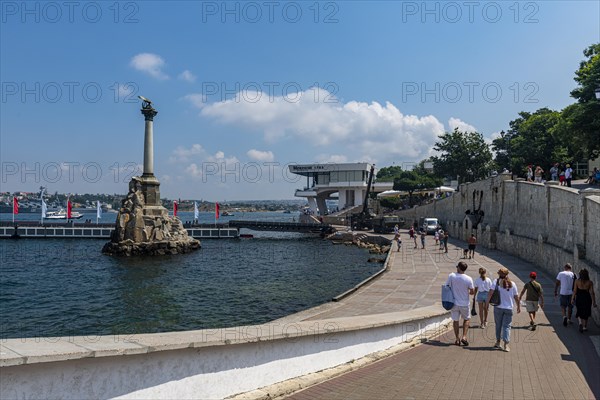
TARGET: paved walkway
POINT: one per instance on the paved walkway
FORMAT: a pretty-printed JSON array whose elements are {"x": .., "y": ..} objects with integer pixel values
[{"x": 553, "y": 362}]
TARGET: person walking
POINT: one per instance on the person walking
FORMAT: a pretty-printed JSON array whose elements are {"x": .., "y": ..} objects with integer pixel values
[
  {"x": 413, "y": 235},
  {"x": 441, "y": 232},
  {"x": 472, "y": 244},
  {"x": 503, "y": 312},
  {"x": 482, "y": 288},
  {"x": 533, "y": 299},
  {"x": 462, "y": 286},
  {"x": 423, "y": 239},
  {"x": 446, "y": 237},
  {"x": 565, "y": 281},
  {"x": 554, "y": 172},
  {"x": 539, "y": 174},
  {"x": 568, "y": 175},
  {"x": 584, "y": 298}
]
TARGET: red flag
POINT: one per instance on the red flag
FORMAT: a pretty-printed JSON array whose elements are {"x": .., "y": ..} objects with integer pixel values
[
  {"x": 174, "y": 208},
  {"x": 69, "y": 209},
  {"x": 15, "y": 205},
  {"x": 216, "y": 210}
]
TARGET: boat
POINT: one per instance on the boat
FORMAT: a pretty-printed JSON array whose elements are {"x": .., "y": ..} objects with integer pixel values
[
  {"x": 226, "y": 214},
  {"x": 246, "y": 236},
  {"x": 62, "y": 214}
]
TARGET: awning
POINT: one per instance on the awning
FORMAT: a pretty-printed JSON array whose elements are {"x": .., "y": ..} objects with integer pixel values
[{"x": 391, "y": 193}]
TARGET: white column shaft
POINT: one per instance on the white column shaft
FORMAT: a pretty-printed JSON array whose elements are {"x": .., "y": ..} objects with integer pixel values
[{"x": 149, "y": 149}]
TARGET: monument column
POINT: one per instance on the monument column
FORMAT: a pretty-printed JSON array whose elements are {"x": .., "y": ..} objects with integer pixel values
[
  {"x": 149, "y": 184},
  {"x": 149, "y": 113},
  {"x": 143, "y": 225}
]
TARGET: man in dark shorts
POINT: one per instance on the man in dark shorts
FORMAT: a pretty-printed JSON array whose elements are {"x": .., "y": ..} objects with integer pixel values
[
  {"x": 472, "y": 244},
  {"x": 564, "y": 281}
]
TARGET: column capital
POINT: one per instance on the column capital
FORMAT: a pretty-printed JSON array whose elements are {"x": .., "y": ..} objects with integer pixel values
[{"x": 149, "y": 113}]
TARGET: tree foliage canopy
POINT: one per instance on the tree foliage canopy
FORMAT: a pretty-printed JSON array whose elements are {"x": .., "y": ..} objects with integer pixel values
[
  {"x": 387, "y": 174},
  {"x": 463, "y": 154},
  {"x": 581, "y": 121},
  {"x": 409, "y": 181}
]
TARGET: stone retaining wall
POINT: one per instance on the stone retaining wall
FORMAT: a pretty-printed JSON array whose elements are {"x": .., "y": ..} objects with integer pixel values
[{"x": 547, "y": 225}]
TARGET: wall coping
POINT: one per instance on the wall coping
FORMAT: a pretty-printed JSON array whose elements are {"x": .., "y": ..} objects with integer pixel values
[{"x": 26, "y": 351}]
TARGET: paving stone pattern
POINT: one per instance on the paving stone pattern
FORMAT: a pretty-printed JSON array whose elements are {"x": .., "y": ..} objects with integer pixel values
[{"x": 552, "y": 362}]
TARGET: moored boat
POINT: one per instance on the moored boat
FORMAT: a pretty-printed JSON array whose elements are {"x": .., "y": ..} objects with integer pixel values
[{"x": 62, "y": 214}]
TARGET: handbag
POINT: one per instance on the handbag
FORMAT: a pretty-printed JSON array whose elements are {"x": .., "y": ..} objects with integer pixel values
[
  {"x": 473, "y": 312},
  {"x": 495, "y": 299},
  {"x": 447, "y": 297}
]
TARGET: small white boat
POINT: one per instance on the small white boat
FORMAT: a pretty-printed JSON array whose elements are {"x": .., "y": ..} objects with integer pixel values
[{"x": 62, "y": 214}]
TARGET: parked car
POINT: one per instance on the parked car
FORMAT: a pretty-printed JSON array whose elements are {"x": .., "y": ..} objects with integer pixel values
[{"x": 430, "y": 225}]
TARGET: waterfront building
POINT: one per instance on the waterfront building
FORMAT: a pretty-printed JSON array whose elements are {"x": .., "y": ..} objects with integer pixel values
[{"x": 323, "y": 181}]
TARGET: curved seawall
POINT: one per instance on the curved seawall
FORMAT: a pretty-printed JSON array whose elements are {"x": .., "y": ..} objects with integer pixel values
[{"x": 545, "y": 224}]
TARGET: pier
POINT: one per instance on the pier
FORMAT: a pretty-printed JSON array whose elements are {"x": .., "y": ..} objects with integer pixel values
[
  {"x": 35, "y": 230},
  {"x": 230, "y": 230},
  {"x": 282, "y": 226}
]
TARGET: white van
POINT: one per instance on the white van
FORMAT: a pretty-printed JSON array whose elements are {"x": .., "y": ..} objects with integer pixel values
[{"x": 430, "y": 225}]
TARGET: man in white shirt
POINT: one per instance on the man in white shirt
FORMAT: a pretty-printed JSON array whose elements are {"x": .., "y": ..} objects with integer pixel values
[
  {"x": 568, "y": 175},
  {"x": 565, "y": 280},
  {"x": 462, "y": 286}
]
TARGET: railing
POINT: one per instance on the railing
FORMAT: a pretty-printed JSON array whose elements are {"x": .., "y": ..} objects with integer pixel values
[{"x": 281, "y": 226}]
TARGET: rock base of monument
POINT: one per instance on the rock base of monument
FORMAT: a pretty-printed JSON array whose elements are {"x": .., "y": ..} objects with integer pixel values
[
  {"x": 130, "y": 248},
  {"x": 147, "y": 229}
]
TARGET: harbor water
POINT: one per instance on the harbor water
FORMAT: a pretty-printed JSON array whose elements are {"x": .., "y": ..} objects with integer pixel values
[{"x": 59, "y": 287}]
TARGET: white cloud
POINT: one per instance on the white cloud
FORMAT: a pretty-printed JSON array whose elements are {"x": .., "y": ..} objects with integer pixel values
[
  {"x": 182, "y": 154},
  {"x": 258, "y": 155},
  {"x": 373, "y": 131},
  {"x": 331, "y": 158},
  {"x": 193, "y": 170},
  {"x": 197, "y": 100},
  {"x": 187, "y": 76},
  {"x": 151, "y": 64},
  {"x": 201, "y": 164},
  {"x": 461, "y": 125}
]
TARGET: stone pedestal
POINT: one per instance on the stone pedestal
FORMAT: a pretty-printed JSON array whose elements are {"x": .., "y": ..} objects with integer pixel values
[
  {"x": 151, "y": 189},
  {"x": 147, "y": 229}
]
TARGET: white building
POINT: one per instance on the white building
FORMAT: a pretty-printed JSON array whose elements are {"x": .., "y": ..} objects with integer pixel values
[{"x": 348, "y": 181}]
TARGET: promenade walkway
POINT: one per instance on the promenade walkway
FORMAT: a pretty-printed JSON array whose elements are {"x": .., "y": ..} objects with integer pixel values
[{"x": 553, "y": 362}]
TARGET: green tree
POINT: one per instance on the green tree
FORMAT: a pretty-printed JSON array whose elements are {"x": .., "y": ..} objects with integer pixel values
[
  {"x": 534, "y": 139},
  {"x": 581, "y": 126},
  {"x": 411, "y": 181},
  {"x": 387, "y": 174},
  {"x": 463, "y": 154},
  {"x": 501, "y": 148}
]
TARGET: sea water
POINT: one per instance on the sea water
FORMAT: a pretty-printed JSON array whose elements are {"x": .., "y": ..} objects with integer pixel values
[{"x": 63, "y": 287}]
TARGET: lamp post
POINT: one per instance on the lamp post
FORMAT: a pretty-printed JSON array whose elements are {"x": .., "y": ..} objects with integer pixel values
[{"x": 597, "y": 93}]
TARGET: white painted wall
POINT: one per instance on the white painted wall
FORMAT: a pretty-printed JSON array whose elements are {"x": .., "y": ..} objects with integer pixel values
[{"x": 217, "y": 371}]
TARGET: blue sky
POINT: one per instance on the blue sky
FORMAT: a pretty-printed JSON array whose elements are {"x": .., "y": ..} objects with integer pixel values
[{"x": 245, "y": 88}]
